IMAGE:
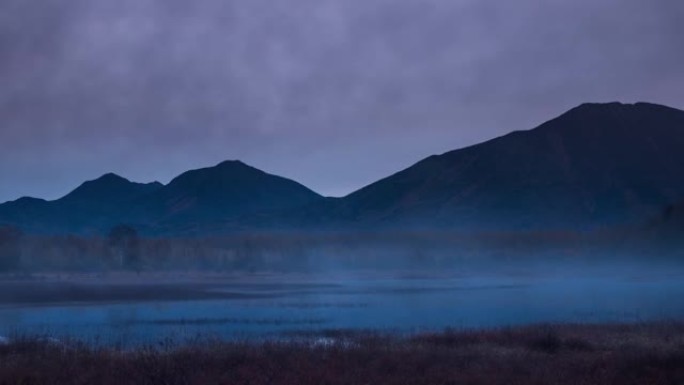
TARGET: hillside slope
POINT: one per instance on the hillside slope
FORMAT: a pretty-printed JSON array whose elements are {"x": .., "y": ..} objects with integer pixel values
[{"x": 598, "y": 164}]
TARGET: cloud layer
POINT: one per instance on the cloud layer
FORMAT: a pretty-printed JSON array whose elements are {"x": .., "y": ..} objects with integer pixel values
[{"x": 333, "y": 93}]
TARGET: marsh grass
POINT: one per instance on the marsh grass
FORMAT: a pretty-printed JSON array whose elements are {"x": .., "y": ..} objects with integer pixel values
[{"x": 545, "y": 354}]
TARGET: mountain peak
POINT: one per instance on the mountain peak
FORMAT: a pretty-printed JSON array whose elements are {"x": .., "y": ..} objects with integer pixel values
[
  {"x": 232, "y": 163},
  {"x": 605, "y": 104},
  {"x": 26, "y": 202},
  {"x": 29, "y": 200},
  {"x": 612, "y": 118},
  {"x": 109, "y": 187},
  {"x": 611, "y": 107},
  {"x": 593, "y": 109},
  {"x": 226, "y": 170},
  {"x": 110, "y": 177},
  {"x": 105, "y": 182},
  {"x": 227, "y": 190}
]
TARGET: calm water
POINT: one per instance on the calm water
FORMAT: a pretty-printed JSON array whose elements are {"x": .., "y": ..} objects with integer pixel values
[{"x": 389, "y": 304}]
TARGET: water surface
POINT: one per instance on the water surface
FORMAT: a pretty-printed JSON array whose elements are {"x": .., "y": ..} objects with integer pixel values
[{"x": 284, "y": 305}]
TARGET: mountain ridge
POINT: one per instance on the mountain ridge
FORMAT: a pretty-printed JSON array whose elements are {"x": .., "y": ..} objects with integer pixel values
[
  {"x": 560, "y": 150},
  {"x": 595, "y": 165}
]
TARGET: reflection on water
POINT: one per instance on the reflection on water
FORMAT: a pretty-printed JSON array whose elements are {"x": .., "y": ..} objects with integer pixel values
[{"x": 403, "y": 305}]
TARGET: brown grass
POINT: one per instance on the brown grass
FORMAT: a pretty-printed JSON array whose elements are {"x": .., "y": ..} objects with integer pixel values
[{"x": 570, "y": 354}]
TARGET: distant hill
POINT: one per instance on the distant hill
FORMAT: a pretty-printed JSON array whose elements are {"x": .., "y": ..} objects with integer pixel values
[
  {"x": 108, "y": 190},
  {"x": 598, "y": 164},
  {"x": 212, "y": 198},
  {"x": 221, "y": 198},
  {"x": 90, "y": 208}
]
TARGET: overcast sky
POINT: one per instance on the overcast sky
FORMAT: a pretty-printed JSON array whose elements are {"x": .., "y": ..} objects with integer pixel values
[{"x": 332, "y": 93}]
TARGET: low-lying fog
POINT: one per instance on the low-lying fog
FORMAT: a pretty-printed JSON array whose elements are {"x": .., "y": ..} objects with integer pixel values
[
  {"x": 131, "y": 308},
  {"x": 275, "y": 285}
]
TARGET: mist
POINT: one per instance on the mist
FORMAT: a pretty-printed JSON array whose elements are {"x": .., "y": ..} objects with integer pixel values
[{"x": 280, "y": 286}]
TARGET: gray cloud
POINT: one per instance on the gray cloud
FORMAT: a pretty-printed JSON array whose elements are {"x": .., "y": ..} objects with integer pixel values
[{"x": 334, "y": 93}]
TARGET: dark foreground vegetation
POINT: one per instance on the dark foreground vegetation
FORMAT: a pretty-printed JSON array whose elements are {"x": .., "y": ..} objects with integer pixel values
[{"x": 570, "y": 354}]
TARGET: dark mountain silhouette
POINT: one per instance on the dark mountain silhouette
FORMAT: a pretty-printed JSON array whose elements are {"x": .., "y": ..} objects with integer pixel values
[
  {"x": 89, "y": 208},
  {"x": 199, "y": 200},
  {"x": 25, "y": 212},
  {"x": 109, "y": 189},
  {"x": 216, "y": 198},
  {"x": 598, "y": 164}
]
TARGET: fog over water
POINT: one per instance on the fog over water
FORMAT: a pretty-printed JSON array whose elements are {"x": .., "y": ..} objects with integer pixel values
[{"x": 285, "y": 305}]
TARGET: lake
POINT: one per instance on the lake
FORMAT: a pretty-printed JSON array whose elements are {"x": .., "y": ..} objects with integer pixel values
[{"x": 276, "y": 306}]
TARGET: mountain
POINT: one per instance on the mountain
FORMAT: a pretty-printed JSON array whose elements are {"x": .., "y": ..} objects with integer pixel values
[
  {"x": 596, "y": 165},
  {"x": 109, "y": 189},
  {"x": 88, "y": 208},
  {"x": 217, "y": 198},
  {"x": 221, "y": 197}
]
